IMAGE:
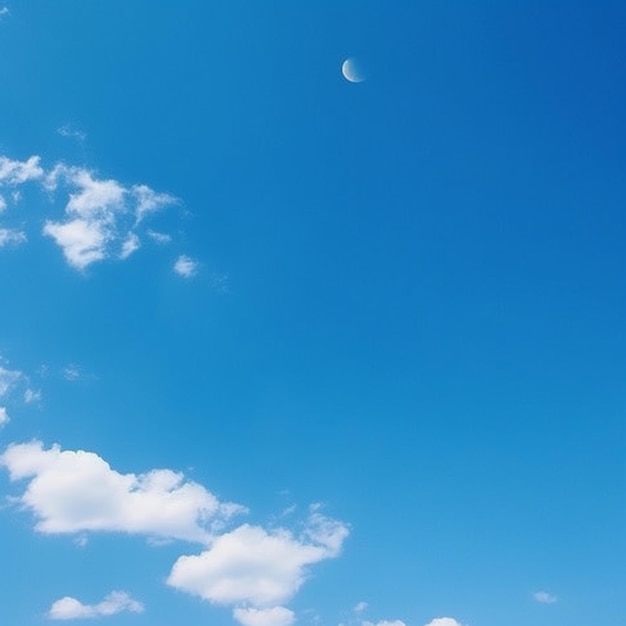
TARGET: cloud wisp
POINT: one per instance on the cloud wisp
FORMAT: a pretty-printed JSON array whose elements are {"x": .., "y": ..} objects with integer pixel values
[
  {"x": 69, "y": 608},
  {"x": 544, "y": 597}
]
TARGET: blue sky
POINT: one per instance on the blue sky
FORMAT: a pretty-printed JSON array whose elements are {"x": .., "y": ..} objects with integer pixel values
[{"x": 278, "y": 348}]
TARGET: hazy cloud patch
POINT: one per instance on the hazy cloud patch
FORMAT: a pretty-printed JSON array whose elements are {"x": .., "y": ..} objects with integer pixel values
[
  {"x": 544, "y": 597},
  {"x": 275, "y": 616}
]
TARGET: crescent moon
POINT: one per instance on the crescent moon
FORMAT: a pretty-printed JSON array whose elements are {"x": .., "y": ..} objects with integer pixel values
[{"x": 352, "y": 71}]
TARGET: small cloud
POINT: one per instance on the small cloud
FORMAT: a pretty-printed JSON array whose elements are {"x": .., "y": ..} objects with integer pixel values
[
  {"x": 71, "y": 373},
  {"x": 395, "y": 622},
  {"x": 3, "y": 204},
  {"x": 360, "y": 607},
  {"x": 186, "y": 266},
  {"x": 444, "y": 621},
  {"x": 71, "y": 132},
  {"x": 116, "y": 602},
  {"x": 276, "y": 616},
  {"x": 160, "y": 238},
  {"x": 32, "y": 395},
  {"x": 543, "y": 597},
  {"x": 4, "y": 416},
  {"x": 11, "y": 237},
  {"x": 4, "y": 11},
  {"x": 130, "y": 245}
]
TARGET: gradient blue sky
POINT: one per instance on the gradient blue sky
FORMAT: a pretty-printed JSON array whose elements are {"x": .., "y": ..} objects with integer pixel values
[{"x": 387, "y": 319}]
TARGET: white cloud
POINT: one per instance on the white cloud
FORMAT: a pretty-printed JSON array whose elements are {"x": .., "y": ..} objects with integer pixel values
[
  {"x": 149, "y": 201},
  {"x": 77, "y": 491},
  {"x": 102, "y": 217},
  {"x": 8, "y": 236},
  {"x": 18, "y": 172},
  {"x": 68, "y": 608},
  {"x": 185, "y": 266},
  {"x": 83, "y": 242},
  {"x": 251, "y": 566},
  {"x": 395, "y": 622},
  {"x": 4, "y": 416},
  {"x": 3, "y": 204},
  {"x": 359, "y": 607},
  {"x": 543, "y": 597},
  {"x": 444, "y": 621},
  {"x": 4, "y": 12},
  {"x": 130, "y": 245},
  {"x": 275, "y": 616}
]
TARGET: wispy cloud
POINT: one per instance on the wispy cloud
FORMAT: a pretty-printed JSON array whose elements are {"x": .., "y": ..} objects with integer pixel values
[
  {"x": 69, "y": 608},
  {"x": 4, "y": 416},
  {"x": 11, "y": 237},
  {"x": 444, "y": 621},
  {"x": 72, "y": 132},
  {"x": 8, "y": 379},
  {"x": 544, "y": 597}
]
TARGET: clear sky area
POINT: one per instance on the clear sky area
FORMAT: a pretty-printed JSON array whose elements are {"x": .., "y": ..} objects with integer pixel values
[{"x": 313, "y": 313}]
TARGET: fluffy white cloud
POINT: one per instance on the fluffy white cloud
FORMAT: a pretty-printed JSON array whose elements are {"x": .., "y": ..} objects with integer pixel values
[
  {"x": 543, "y": 597},
  {"x": 76, "y": 491},
  {"x": 101, "y": 216},
  {"x": 8, "y": 236},
  {"x": 116, "y": 602},
  {"x": 185, "y": 266},
  {"x": 275, "y": 616},
  {"x": 251, "y": 566},
  {"x": 4, "y": 416},
  {"x": 444, "y": 621}
]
